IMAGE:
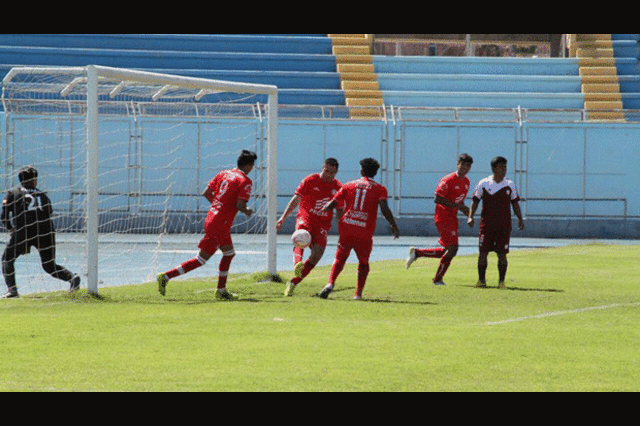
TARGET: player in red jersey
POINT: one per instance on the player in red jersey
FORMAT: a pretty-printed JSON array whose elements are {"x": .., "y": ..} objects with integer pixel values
[
  {"x": 498, "y": 195},
  {"x": 228, "y": 192},
  {"x": 312, "y": 194},
  {"x": 449, "y": 198},
  {"x": 360, "y": 199}
]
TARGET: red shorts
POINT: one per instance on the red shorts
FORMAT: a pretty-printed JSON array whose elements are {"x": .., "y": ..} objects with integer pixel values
[
  {"x": 448, "y": 233},
  {"x": 362, "y": 247},
  {"x": 318, "y": 233},
  {"x": 494, "y": 240},
  {"x": 216, "y": 235}
]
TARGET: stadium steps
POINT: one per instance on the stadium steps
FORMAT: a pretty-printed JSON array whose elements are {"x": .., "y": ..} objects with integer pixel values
[
  {"x": 354, "y": 63},
  {"x": 600, "y": 84}
]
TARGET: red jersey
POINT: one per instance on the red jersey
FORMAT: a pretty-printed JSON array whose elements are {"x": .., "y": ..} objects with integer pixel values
[
  {"x": 228, "y": 187},
  {"x": 496, "y": 202},
  {"x": 314, "y": 193},
  {"x": 360, "y": 199},
  {"x": 452, "y": 188}
]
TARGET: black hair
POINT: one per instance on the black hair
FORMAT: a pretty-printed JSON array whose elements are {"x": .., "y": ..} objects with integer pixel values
[
  {"x": 369, "y": 167},
  {"x": 27, "y": 173},
  {"x": 465, "y": 158},
  {"x": 331, "y": 162},
  {"x": 498, "y": 160},
  {"x": 246, "y": 158}
]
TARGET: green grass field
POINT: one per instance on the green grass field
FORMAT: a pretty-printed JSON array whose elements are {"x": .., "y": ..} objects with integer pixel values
[{"x": 568, "y": 321}]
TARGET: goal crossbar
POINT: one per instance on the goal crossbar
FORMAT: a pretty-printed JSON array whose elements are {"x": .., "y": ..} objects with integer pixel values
[{"x": 150, "y": 78}]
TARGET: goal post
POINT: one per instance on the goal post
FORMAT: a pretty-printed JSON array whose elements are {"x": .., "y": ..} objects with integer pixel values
[{"x": 106, "y": 91}]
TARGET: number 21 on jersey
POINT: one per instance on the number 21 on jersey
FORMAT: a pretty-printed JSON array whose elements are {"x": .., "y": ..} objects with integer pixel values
[{"x": 33, "y": 203}]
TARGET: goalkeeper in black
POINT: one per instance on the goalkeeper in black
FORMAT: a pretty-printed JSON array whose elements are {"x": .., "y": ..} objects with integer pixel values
[{"x": 26, "y": 213}]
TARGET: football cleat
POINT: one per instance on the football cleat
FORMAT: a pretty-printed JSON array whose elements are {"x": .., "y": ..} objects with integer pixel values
[
  {"x": 439, "y": 283},
  {"x": 297, "y": 270},
  {"x": 74, "y": 283},
  {"x": 412, "y": 256},
  {"x": 501, "y": 285},
  {"x": 289, "y": 290},
  {"x": 12, "y": 292},
  {"x": 356, "y": 297},
  {"x": 162, "y": 283},
  {"x": 480, "y": 284},
  {"x": 326, "y": 291},
  {"x": 225, "y": 295}
]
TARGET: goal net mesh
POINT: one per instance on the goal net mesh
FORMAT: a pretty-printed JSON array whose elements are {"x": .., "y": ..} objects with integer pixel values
[{"x": 159, "y": 146}]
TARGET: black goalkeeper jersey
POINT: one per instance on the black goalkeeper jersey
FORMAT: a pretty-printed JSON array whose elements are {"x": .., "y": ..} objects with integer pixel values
[{"x": 28, "y": 211}]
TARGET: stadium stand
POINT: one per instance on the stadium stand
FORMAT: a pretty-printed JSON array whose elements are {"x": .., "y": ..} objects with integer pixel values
[
  {"x": 479, "y": 82},
  {"x": 339, "y": 69},
  {"x": 301, "y": 65},
  {"x": 626, "y": 51},
  {"x": 600, "y": 84}
]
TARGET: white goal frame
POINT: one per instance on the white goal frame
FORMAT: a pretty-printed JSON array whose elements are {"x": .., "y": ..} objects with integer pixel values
[{"x": 91, "y": 75}]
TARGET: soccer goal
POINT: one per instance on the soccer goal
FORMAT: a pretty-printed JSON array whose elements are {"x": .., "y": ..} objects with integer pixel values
[{"x": 125, "y": 156}]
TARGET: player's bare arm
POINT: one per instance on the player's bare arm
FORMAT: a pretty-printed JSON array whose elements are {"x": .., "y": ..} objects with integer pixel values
[
  {"x": 518, "y": 213},
  {"x": 472, "y": 211},
  {"x": 208, "y": 194},
  {"x": 331, "y": 204},
  {"x": 386, "y": 213},
  {"x": 241, "y": 205},
  {"x": 291, "y": 206},
  {"x": 461, "y": 206}
]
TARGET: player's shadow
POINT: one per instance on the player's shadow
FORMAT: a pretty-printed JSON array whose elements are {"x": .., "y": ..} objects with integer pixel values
[
  {"x": 510, "y": 288},
  {"x": 375, "y": 300}
]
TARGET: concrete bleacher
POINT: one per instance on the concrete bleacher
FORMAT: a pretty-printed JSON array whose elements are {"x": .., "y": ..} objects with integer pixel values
[
  {"x": 301, "y": 65},
  {"x": 479, "y": 82},
  {"x": 304, "y": 67},
  {"x": 626, "y": 51}
]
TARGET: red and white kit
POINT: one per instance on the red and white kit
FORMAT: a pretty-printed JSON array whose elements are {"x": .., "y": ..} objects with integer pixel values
[
  {"x": 359, "y": 199},
  {"x": 229, "y": 186},
  {"x": 314, "y": 193},
  {"x": 453, "y": 188}
]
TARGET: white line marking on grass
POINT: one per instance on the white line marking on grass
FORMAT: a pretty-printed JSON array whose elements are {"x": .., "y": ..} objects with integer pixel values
[{"x": 573, "y": 311}]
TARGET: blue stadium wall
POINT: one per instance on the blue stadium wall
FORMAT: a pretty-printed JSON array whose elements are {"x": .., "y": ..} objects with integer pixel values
[{"x": 578, "y": 180}]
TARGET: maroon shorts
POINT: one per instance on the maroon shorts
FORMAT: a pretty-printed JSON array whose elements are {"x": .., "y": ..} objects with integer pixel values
[{"x": 496, "y": 239}]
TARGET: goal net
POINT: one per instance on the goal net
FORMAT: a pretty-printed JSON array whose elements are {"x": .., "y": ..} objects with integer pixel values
[{"x": 124, "y": 156}]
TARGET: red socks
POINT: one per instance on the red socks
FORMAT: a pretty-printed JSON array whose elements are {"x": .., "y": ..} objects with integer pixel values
[
  {"x": 363, "y": 272},
  {"x": 223, "y": 268},
  {"x": 185, "y": 267},
  {"x": 197, "y": 262},
  {"x": 442, "y": 269},
  {"x": 437, "y": 252},
  {"x": 308, "y": 266}
]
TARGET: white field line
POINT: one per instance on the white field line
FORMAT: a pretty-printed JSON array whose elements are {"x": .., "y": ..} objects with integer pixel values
[{"x": 572, "y": 311}]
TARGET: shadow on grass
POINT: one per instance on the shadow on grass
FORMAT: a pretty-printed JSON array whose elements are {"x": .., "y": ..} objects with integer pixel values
[
  {"x": 507, "y": 288},
  {"x": 366, "y": 299}
]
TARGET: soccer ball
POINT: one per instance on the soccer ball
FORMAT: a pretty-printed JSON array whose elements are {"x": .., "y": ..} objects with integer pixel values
[{"x": 301, "y": 238}]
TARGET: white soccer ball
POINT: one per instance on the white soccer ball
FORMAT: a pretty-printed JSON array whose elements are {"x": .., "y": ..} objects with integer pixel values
[{"x": 301, "y": 238}]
